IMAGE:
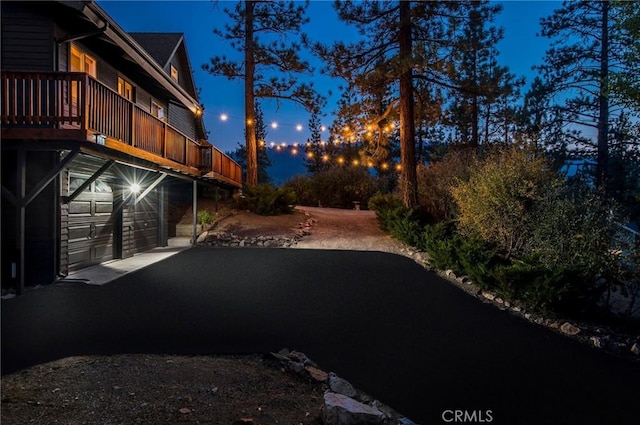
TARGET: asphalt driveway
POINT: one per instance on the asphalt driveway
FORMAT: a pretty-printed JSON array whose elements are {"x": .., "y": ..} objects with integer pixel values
[{"x": 393, "y": 329}]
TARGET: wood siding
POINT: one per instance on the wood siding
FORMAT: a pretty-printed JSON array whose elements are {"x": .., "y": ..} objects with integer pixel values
[
  {"x": 182, "y": 119},
  {"x": 27, "y": 39}
]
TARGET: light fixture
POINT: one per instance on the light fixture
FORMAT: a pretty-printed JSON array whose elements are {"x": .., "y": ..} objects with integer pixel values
[
  {"x": 134, "y": 188},
  {"x": 274, "y": 125},
  {"x": 323, "y": 128},
  {"x": 299, "y": 127},
  {"x": 101, "y": 139},
  {"x": 224, "y": 117}
]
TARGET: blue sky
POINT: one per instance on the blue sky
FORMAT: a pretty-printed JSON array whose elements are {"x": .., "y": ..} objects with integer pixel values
[{"x": 520, "y": 50}]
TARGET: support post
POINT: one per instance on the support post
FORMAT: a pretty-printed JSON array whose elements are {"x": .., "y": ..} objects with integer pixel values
[
  {"x": 195, "y": 213},
  {"x": 22, "y": 217}
]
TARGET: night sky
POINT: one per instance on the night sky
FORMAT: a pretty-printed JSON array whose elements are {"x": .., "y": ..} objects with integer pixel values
[{"x": 520, "y": 50}]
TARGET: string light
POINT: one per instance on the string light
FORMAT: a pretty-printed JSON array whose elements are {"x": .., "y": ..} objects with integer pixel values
[{"x": 350, "y": 135}]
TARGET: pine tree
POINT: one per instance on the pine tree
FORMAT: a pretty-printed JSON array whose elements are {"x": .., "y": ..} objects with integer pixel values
[
  {"x": 264, "y": 162},
  {"x": 485, "y": 93},
  {"x": 399, "y": 39},
  {"x": 270, "y": 65},
  {"x": 315, "y": 159},
  {"x": 585, "y": 55}
]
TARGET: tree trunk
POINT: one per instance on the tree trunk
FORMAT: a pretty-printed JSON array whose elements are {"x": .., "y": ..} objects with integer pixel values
[
  {"x": 407, "y": 126},
  {"x": 249, "y": 98},
  {"x": 602, "y": 166}
]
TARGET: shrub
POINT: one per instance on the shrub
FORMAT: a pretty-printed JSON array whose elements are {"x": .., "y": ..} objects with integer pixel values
[
  {"x": 384, "y": 201},
  {"x": 336, "y": 187},
  {"x": 302, "y": 186},
  {"x": 573, "y": 225},
  {"x": 205, "y": 218},
  {"x": 436, "y": 180},
  {"x": 264, "y": 199},
  {"x": 496, "y": 203}
]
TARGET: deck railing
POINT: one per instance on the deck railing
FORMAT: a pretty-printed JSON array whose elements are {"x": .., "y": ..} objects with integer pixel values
[{"x": 73, "y": 100}]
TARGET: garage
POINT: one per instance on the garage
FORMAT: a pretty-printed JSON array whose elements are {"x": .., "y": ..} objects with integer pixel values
[{"x": 91, "y": 223}]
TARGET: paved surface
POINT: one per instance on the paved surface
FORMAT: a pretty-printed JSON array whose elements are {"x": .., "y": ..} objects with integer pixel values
[{"x": 393, "y": 329}]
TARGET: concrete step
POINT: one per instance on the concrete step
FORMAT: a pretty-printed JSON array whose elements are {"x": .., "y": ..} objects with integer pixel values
[{"x": 185, "y": 229}]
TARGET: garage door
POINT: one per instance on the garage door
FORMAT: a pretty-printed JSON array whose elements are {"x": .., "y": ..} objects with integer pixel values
[
  {"x": 91, "y": 223},
  {"x": 144, "y": 229}
]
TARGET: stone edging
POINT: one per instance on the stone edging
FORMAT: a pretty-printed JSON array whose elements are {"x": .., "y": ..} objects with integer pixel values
[
  {"x": 342, "y": 403},
  {"x": 599, "y": 337},
  {"x": 229, "y": 239}
]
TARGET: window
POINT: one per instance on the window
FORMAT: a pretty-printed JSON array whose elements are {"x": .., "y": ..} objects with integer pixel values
[
  {"x": 174, "y": 73},
  {"x": 79, "y": 61},
  {"x": 82, "y": 62},
  {"x": 125, "y": 89},
  {"x": 157, "y": 110}
]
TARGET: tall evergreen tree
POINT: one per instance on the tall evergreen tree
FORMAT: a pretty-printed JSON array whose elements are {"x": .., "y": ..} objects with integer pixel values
[
  {"x": 264, "y": 162},
  {"x": 392, "y": 52},
  {"x": 585, "y": 55},
  {"x": 264, "y": 33},
  {"x": 315, "y": 159},
  {"x": 483, "y": 100}
]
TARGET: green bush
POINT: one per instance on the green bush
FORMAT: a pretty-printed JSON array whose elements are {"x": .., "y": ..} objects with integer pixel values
[
  {"x": 336, "y": 187},
  {"x": 436, "y": 180},
  {"x": 497, "y": 202},
  {"x": 302, "y": 186},
  {"x": 205, "y": 218},
  {"x": 264, "y": 199},
  {"x": 384, "y": 201},
  {"x": 574, "y": 225}
]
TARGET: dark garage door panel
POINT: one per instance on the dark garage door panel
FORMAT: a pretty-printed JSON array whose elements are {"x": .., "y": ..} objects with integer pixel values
[{"x": 91, "y": 226}]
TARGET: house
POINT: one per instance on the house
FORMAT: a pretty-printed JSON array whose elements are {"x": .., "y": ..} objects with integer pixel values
[{"x": 101, "y": 130}]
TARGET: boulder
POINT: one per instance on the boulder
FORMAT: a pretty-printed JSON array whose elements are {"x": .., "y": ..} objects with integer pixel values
[
  {"x": 341, "y": 386},
  {"x": 339, "y": 409},
  {"x": 569, "y": 329}
]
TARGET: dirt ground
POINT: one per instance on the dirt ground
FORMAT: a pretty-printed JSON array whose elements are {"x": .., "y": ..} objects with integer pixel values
[{"x": 145, "y": 389}]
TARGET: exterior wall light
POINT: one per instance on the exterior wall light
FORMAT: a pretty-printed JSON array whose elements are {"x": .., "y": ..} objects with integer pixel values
[{"x": 134, "y": 188}]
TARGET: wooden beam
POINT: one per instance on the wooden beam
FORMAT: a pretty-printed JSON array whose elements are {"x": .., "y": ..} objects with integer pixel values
[
  {"x": 147, "y": 156},
  {"x": 194, "y": 241},
  {"x": 21, "y": 217},
  {"x": 52, "y": 174},
  {"x": 87, "y": 183},
  {"x": 151, "y": 187},
  {"x": 44, "y": 134},
  {"x": 10, "y": 197}
]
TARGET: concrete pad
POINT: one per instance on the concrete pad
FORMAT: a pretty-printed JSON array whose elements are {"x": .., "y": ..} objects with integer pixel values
[{"x": 111, "y": 270}]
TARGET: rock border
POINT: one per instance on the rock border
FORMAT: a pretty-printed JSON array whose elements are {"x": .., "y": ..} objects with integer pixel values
[
  {"x": 342, "y": 403},
  {"x": 597, "y": 336},
  {"x": 230, "y": 239}
]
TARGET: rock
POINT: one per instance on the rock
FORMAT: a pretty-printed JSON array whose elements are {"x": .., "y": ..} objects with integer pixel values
[
  {"x": 341, "y": 386},
  {"x": 284, "y": 352},
  {"x": 569, "y": 329},
  {"x": 202, "y": 237},
  {"x": 499, "y": 300},
  {"x": 450, "y": 273},
  {"x": 185, "y": 410},
  {"x": 597, "y": 341},
  {"x": 342, "y": 410},
  {"x": 635, "y": 349},
  {"x": 317, "y": 374},
  {"x": 489, "y": 296},
  {"x": 516, "y": 309},
  {"x": 244, "y": 421}
]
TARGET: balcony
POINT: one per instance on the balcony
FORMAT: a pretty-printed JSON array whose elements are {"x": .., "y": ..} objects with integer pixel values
[{"x": 74, "y": 106}]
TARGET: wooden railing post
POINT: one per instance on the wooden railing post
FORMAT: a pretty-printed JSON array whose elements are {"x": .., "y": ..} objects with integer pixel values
[
  {"x": 132, "y": 124},
  {"x": 84, "y": 110}
]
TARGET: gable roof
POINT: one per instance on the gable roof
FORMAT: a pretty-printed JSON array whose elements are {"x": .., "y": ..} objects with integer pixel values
[{"x": 160, "y": 45}]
